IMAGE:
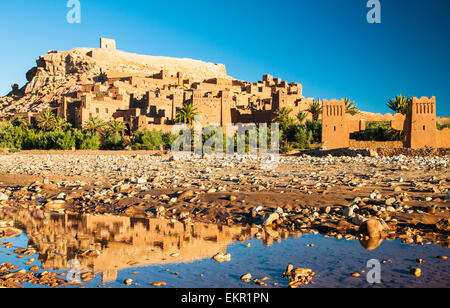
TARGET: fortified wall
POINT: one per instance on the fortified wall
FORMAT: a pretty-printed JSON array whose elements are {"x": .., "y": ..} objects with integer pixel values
[{"x": 419, "y": 124}]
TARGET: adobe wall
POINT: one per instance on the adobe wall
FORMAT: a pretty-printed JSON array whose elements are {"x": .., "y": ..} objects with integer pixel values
[
  {"x": 443, "y": 138},
  {"x": 107, "y": 44},
  {"x": 443, "y": 120},
  {"x": 421, "y": 116},
  {"x": 374, "y": 145},
  {"x": 419, "y": 125}
]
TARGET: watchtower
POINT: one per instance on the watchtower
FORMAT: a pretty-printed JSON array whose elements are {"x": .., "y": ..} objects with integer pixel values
[
  {"x": 422, "y": 123},
  {"x": 107, "y": 44},
  {"x": 335, "y": 134}
]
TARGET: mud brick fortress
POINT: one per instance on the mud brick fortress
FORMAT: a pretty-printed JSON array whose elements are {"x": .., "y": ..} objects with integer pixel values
[
  {"x": 418, "y": 125},
  {"x": 144, "y": 101},
  {"x": 146, "y": 92}
]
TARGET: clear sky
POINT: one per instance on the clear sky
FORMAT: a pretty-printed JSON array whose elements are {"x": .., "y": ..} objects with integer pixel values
[{"x": 325, "y": 44}]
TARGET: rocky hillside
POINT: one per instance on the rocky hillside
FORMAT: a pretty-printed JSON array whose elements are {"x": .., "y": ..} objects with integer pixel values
[{"x": 60, "y": 73}]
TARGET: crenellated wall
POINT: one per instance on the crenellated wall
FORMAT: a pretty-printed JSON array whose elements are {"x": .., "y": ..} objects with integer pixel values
[{"x": 419, "y": 124}]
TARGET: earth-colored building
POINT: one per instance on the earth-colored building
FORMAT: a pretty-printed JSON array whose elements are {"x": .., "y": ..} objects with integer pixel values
[{"x": 146, "y": 92}]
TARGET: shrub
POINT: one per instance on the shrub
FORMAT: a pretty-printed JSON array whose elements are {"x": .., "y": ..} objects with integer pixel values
[
  {"x": 168, "y": 139},
  {"x": 442, "y": 126},
  {"x": 315, "y": 127},
  {"x": 11, "y": 136},
  {"x": 113, "y": 141},
  {"x": 147, "y": 140},
  {"x": 90, "y": 141},
  {"x": 378, "y": 131},
  {"x": 66, "y": 141}
]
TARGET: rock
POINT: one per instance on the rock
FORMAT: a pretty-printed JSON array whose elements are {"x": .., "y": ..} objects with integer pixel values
[
  {"x": 349, "y": 211},
  {"x": 232, "y": 198},
  {"x": 221, "y": 257},
  {"x": 268, "y": 219},
  {"x": 55, "y": 205},
  {"x": 186, "y": 195},
  {"x": 397, "y": 189},
  {"x": 372, "y": 228},
  {"x": 128, "y": 282},
  {"x": 390, "y": 201},
  {"x": 61, "y": 196},
  {"x": 141, "y": 180},
  {"x": 358, "y": 220},
  {"x": 418, "y": 239},
  {"x": 390, "y": 209},
  {"x": 246, "y": 277},
  {"x": 159, "y": 284},
  {"x": 443, "y": 225},
  {"x": 416, "y": 272},
  {"x": 442, "y": 257},
  {"x": 3, "y": 197}
]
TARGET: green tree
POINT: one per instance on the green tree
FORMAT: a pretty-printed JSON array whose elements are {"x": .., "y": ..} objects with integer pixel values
[
  {"x": 94, "y": 125},
  {"x": 282, "y": 117},
  {"x": 316, "y": 110},
  {"x": 399, "y": 104},
  {"x": 350, "y": 106},
  {"x": 19, "y": 122},
  {"x": 186, "y": 114},
  {"x": 62, "y": 124},
  {"x": 116, "y": 127},
  {"x": 301, "y": 116},
  {"x": 147, "y": 140},
  {"x": 46, "y": 120}
]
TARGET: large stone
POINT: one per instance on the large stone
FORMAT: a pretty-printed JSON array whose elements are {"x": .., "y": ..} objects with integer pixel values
[
  {"x": 373, "y": 228},
  {"x": 3, "y": 197},
  {"x": 268, "y": 219}
]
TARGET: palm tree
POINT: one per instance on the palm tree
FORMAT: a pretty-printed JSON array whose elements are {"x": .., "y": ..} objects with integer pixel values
[
  {"x": 315, "y": 109},
  {"x": 301, "y": 116},
  {"x": 46, "y": 120},
  {"x": 19, "y": 122},
  {"x": 282, "y": 116},
  {"x": 61, "y": 123},
  {"x": 399, "y": 104},
  {"x": 94, "y": 125},
  {"x": 116, "y": 127},
  {"x": 186, "y": 114},
  {"x": 350, "y": 106}
]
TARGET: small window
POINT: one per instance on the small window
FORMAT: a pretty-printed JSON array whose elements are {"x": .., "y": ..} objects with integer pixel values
[
  {"x": 335, "y": 128},
  {"x": 424, "y": 127},
  {"x": 106, "y": 110},
  {"x": 97, "y": 110}
]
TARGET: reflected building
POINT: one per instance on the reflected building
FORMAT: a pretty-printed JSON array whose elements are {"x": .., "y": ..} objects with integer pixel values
[{"x": 124, "y": 242}]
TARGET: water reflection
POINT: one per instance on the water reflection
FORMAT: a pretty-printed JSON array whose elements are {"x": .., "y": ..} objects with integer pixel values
[
  {"x": 123, "y": 242},
  {"x": 371, "y": 243}
]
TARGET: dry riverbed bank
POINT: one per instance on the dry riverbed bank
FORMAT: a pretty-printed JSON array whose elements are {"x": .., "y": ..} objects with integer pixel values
[{"x": 360, "y": 197}]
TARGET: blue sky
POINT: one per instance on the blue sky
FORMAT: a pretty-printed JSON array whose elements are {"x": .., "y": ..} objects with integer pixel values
[{"x": 325, "y": 44}]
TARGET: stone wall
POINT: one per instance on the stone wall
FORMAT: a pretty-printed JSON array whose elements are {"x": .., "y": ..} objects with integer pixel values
[{"x": 375, "y": 144}]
